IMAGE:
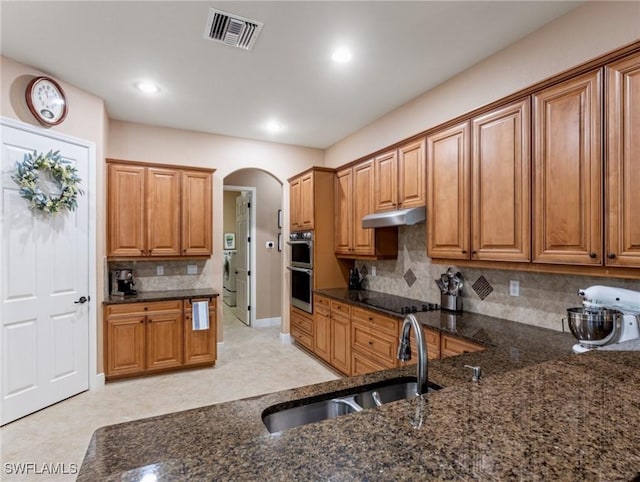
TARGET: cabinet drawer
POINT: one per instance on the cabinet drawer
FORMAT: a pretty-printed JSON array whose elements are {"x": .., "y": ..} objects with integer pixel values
[
  {"x": 212, "y": 302},
  {"x": 381, "y": 323},
  {"x": 305, "y": 339},
  {"x": 301, "y": 322},
  {"x": 321, "y": 303},
  {"x": 362, "y": 364},
  {"x": 131, "y": 308},
  {"x": 432, "y": 338},
  {"x": 341, "y": 308},
  {"x": 381, "y": 346},
  {"x": 452, "y": 346}
]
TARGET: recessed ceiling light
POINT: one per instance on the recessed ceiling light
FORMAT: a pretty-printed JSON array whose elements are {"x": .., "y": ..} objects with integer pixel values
[
  {"x": 341, "y": 55},
  {"x": 273, "y": 126},
  {"x": 147, "y": 87}
]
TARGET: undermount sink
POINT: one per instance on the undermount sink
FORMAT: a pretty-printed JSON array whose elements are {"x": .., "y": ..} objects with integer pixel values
[{"x": 360, "y": 398}]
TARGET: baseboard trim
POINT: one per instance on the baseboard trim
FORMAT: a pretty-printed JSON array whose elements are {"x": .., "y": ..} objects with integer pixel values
[
  {"x": 285, "y": 338},
  {"x": 97, "y": 381},
  {"x": 267, "y": 322}
]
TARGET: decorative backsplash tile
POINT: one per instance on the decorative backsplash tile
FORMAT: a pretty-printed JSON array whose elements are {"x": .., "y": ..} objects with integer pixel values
[
  {"x": 482, "y": 287},
  {"x": 543, "y": 301},
  {"x": 175, "y": 275},
  {"x": 410, "y": 277}
]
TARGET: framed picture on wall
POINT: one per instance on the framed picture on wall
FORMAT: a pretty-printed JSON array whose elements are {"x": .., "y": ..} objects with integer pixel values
[{"x": 229, "y": 240}]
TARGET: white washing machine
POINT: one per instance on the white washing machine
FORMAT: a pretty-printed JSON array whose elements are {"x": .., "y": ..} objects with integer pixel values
[{"x": 229, "y": 277}]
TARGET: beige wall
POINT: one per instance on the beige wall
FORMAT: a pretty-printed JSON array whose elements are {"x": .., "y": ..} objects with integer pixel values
[
  {"x": 229, "y": 211},
  {"x": 583, "y": 34},
  {"x": 269, "y": 273},
  {"x": 86, "y": 119}
]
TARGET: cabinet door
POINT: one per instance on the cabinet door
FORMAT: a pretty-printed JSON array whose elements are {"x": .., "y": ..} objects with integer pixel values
[
  {"x": 411, "y": 181},
  {"x": 386, "y": 181},
  {"x": 125, "y": 341},
  {"x": 164, "y": 339},
  {"x": 343, "y": 211},
  {"x": 363, "y": 240},
  {"x": 623, "y": 163},
  {"x": 163, "y": 212},
  {"x": 196, "y": 213},
  {"x": 199, "y": 345},
  {"x": 294, "y": 204},
  {"x": 302, "y": 328},
  {"x": 567, "y": 163},
  {"x": 126, "y": 215},
  {"x": 500, "y": 177},
  {"x": 362, "y": 364},
  {"x": 448, "y": 193},
  {"x": 453, "y": 346},
  {"x": 341, "y": 343},
  {"x": 322, "y": 334},
  {"x": 306, "y": 202}
]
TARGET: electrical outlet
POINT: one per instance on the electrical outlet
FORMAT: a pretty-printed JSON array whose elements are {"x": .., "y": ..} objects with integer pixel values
[
  {"x": 514, "y": 288},
  {"x": 270, "y": 244},
  {"x": 160, "y": 270},
  {"x": 192, "y": 269},
  {"x": 372, "y": 272}
]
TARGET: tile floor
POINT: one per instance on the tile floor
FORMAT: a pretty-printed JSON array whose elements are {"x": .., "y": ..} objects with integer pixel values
[{"x": 251, "y": 361}]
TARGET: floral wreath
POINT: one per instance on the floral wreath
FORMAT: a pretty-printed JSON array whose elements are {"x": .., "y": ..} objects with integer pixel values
[{"x": 59, "y": 193}]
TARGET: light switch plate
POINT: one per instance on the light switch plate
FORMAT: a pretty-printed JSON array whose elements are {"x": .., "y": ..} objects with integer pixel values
[
  {"x": 373, "y": 272},
  {"x": 160, "y": 270},
  {"x": 192, "y": 269},
  {"x": 270, "y": 244},
  {"x": 514, "y": 288}
]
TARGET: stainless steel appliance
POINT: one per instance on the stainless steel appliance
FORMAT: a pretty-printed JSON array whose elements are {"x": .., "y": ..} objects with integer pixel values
[
  {"x": 122, "y": 283},
  {"x": 301, "y": 249},
  {"x": 608, "y": 315},
  {"x": 301, "y": 269},
  {"x": 229, "y": 278}
]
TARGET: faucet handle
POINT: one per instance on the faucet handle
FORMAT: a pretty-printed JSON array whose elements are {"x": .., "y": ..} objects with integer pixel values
[{"x": 477, "y": 372}]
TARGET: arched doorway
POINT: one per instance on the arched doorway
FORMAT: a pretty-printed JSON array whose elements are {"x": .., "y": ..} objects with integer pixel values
[{"x": 258, "y": 259}]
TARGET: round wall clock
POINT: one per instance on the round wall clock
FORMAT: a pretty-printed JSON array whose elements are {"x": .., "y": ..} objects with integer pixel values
[{"x": 46, "y": 101}]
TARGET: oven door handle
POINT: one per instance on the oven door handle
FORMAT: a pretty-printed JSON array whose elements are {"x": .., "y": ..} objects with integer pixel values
[
  {"x": 307, "y": 242},
  {"x": 303, "y": 270}
]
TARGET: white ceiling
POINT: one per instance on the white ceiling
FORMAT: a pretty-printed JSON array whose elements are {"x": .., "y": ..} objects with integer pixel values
[{"x": 400, "y": 50}]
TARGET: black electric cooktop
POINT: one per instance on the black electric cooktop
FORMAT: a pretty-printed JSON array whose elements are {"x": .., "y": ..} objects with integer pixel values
[{"x": 397, "y": 304}]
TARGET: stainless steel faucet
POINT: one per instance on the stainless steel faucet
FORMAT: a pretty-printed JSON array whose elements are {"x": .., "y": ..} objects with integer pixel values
[{"x": 404, "y": 351}]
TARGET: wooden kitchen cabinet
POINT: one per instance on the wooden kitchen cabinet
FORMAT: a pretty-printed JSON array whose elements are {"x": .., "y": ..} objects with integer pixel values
[
  {"x": 341, "y": 337},
  {"x": 452, "y": 346},
  {"x": 567, "y": 166},
  {"x": 200, "y": 346},
  {"x": 301, "y": 327},
  {"x": 373, "y": 337},
  {"x": 500, "y": 184},
  {"x": 448, "y": 184},
  {"x": 622, "y": 215},
  {"x": 399, "y": 180},
  {"x": 302, "y": 202},
  {"x": 158, "y": 211},
  {"x": 322, "y": 328},
  {"x": 354, "y": 198},
  {"x": 431, "y": 337},
  {"x": 143, "y": 337}
]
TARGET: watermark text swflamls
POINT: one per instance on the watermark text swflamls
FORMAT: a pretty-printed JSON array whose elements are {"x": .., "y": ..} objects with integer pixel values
[{"x": 35, "y": 468}]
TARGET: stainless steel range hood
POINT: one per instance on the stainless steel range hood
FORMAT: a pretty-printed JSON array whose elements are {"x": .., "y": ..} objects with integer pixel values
[{"x": 401, "y": 217}]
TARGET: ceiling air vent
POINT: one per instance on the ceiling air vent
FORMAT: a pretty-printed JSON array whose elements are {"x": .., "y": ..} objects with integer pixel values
[{"x": 232, "y": 30}]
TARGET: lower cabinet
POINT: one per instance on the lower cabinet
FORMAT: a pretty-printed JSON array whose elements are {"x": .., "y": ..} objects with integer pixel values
[
  {"x": 143, "y": 338},
  {"x": 341, "y": 337},
  {"x": 322, "y": 329},
  {"x": 374, "y": 337},
  {"x": 453, "y": 346},
  {"x": 302, "y": 328}
]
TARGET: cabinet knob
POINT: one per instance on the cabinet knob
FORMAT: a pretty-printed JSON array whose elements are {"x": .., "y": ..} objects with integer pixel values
[
  {"x": 142, "y": 320},
  {"x": 464, "y": 251},
  {"x": 473, "y": 253},
  {"x": 611, "y": 255},
  {"x": 593, "y": 255}
]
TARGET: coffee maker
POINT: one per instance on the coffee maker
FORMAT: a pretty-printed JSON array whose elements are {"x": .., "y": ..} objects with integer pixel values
[{"x": 122, "y": 283}]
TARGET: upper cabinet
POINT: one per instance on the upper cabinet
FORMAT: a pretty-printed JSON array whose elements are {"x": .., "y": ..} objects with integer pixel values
[
  {"x": 623, "y": 163},
  {"x": 158, "y": 211},
  {"x": 448, "y": 192},
  {"x": 302, "y": 202},
  {"x": 354, "y": 199},
  {"x": 478, "y": 187},
  {"x": 567, "y": 165},
  {"x": 399, "y": 181}
]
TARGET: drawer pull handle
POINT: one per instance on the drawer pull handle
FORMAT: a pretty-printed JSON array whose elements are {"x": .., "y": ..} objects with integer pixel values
[{"x": 611, "y": 256}]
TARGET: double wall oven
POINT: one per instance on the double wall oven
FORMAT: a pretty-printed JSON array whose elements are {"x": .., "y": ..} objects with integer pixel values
[{"x": 301, "y": 268}]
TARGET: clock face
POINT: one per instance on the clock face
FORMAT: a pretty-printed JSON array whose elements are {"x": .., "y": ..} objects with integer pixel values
[{"x": 46, "y": 101}]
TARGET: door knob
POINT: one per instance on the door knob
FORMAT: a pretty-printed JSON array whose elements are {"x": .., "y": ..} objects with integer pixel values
[{"x": 81, "y": 300}]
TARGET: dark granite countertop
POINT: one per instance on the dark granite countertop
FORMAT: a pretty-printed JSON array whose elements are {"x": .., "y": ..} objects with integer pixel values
[
  {"x": 539, "y": 413},
  {"x": 144, "y": 296}
]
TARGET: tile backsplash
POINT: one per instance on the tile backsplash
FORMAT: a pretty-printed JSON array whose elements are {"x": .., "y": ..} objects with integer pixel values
[
  {"x": 543, "y": 298},
  {"x": 175, "y": 275}
]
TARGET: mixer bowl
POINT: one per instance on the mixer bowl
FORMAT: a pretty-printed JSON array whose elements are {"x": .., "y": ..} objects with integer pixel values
[{"x": 593, "y": 327}]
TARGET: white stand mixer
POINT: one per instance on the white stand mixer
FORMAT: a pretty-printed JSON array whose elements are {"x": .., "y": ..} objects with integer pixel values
[{"x": 609, "y": 315}]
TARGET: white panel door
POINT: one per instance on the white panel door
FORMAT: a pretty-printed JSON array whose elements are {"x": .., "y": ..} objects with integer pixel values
[
  {"x": 44, "y": 271},
  {"x": 243, "y": 257}
]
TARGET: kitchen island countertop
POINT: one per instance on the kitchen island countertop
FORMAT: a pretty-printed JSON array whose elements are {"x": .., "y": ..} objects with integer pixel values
[{"x": 539, "y": 413}]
